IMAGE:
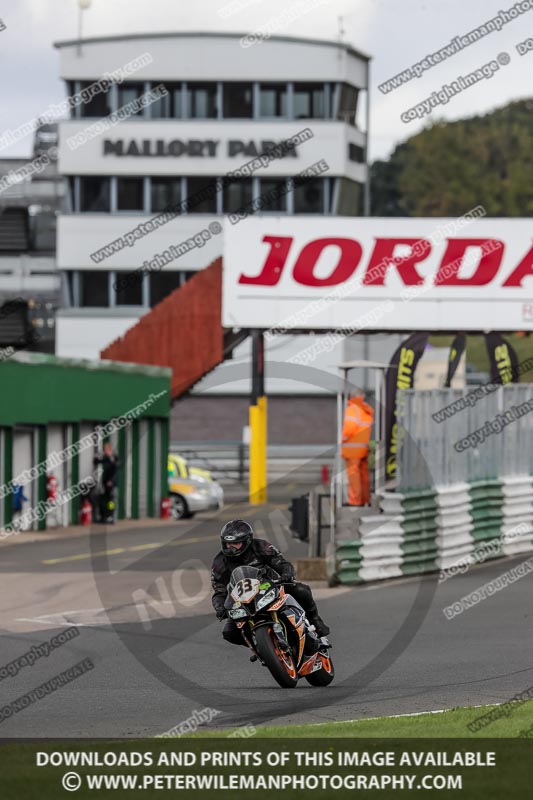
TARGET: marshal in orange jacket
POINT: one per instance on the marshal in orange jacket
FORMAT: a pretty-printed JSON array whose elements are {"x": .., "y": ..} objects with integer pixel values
[{"x": 356, "y": 431}]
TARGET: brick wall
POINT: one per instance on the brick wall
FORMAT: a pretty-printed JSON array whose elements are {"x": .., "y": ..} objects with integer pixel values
[{"x": 291, "y": 420}]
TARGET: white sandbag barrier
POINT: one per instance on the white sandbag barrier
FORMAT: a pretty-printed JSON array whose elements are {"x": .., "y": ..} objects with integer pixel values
[{"x": 445, "y": 529}]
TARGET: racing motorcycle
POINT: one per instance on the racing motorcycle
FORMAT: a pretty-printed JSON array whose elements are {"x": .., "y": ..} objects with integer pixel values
[{"x": 274, "y": 626}]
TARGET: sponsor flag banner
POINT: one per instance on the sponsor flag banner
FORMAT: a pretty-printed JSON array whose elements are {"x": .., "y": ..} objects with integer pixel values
[
  {"x": 400, "y": 375},
  {"x": 504, "y": 367},
  {"x": 456, "y": 351}
]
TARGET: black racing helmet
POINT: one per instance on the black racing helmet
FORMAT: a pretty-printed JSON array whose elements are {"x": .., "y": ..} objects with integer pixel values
[{"x": 236, "y": 537}]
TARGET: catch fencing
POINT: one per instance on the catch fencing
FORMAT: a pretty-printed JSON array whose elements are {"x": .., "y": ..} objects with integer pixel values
[{"x": 435, "y": 453}]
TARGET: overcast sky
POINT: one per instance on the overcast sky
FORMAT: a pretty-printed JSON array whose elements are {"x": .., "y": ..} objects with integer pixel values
[{"x": 395, "y": 33}]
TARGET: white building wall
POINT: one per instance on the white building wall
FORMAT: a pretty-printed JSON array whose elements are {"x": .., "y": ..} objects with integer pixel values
[
  {"x": 176, "y": 54},
  {"x": 83, "y": 335}
]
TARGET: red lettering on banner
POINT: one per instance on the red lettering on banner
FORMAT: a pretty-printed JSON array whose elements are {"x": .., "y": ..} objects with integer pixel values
[
  {"x": 383, "y": 257},
  {"x": 349, "y": 253},
  {"x": 349, "y": 257},
  {"x": 275, "y": 261},
  {"x": 454, "y": 257},
  {"x": 524, "y": 268}
]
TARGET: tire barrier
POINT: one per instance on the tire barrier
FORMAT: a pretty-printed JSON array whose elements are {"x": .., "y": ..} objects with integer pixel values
[{"x": 446, "y": 529}]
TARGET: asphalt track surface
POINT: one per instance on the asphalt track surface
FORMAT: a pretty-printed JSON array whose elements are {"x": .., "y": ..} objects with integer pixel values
[{"x": 394, "y": 650}]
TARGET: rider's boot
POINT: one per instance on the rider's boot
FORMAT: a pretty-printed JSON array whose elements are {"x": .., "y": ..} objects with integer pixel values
[{"x": 315, "y": 619}]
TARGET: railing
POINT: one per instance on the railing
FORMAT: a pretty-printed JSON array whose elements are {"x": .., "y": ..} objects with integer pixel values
[
  {"x": 428, "y": 455},
  {"x": 229, "y": 461}
]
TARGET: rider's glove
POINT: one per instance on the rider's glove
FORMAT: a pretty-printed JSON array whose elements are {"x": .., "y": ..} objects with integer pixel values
[
  {"x": 287, "y": 576},
  {"x": 221, "y": 613}
]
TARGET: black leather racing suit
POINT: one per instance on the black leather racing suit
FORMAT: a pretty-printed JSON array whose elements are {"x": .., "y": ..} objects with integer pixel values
[{"x": 260, "y": 553}]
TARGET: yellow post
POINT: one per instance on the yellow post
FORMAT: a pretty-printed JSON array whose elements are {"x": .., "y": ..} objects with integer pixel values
[{"x": 258, "y": 452}]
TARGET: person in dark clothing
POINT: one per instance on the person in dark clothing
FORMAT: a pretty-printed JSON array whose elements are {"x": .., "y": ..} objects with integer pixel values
[
  {"x": 239, "y": 548},
  {"x": 110, "y": 468}
]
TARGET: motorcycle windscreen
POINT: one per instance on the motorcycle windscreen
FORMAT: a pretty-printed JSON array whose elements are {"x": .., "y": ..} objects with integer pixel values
[{"x": 241, "y": 573}]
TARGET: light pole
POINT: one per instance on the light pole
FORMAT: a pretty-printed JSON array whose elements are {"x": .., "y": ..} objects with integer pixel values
[{"x": 83, "y": 5}]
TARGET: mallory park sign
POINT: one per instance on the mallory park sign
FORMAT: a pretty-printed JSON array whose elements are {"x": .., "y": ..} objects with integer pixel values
[{"x": 198, "y": 148}]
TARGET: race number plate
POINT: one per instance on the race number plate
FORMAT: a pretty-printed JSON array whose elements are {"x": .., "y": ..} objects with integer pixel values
[{"x": 245, "y": 590}]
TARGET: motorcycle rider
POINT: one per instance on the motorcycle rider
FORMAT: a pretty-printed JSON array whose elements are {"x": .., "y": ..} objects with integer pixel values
[{"x": 239, "y": 549}]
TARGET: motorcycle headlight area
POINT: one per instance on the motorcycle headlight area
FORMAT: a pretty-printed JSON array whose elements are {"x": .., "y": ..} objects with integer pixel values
[
  {"x": 267, "y": 598},
  {"x": 238, "y": 613}
]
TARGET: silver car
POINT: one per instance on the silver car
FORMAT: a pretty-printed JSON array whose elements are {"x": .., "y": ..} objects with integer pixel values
[{"x": 191, "y": 489}]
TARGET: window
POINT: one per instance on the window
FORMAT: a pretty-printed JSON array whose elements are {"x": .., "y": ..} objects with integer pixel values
[
  {"x": 94, "y": 288},
  {"x": 165, "y": 192},
  {"x": 169, "y": 106},
  {"x": 94, "y": 194},
  {"x": 202, "y": 195},
  {"x": 273, "y": 194},
  {"x": 356, "y": 153},
  {"x": 130, "y": 194},
  {"x": 237, "y": 194},
  {"x": 348, "y": 103},
  {"x": 350, "y": 200},
  {"x": 273, "y": 100},
  {"x": 67, "y": 284},
  {"x": 309, "y": 101},
  {"x": 129, "y": 292},
  {"x": 238, "y": 100},
  {"x": 129, "y": 93},
  {"x": 309, "y": 196},
  {"x": 96, "y": 106},
  {"x": 162, "y": 283},
  {"x": 72, "y": 193},
  {"x": 71, "y": 91},
  {"x": 202, "y": 100}
]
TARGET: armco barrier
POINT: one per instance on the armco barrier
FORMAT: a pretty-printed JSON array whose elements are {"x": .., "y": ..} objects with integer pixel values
[{"x": 440, "y": 529}]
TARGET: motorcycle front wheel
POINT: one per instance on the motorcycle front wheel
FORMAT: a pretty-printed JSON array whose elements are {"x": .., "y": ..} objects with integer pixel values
[{"x": 280, "y": 663}]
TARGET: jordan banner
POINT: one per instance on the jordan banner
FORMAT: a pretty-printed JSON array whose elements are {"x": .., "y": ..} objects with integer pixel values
[
  {"x": 400, "y": 375},
  {"x": 503, "y": 360},
  {"x": 456, "y": 351}
]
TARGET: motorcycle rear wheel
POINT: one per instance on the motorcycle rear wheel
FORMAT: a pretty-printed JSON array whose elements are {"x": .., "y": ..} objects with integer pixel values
[
  {"x": 280, "y": 664},
  {"x": 324, "y": 676}
]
